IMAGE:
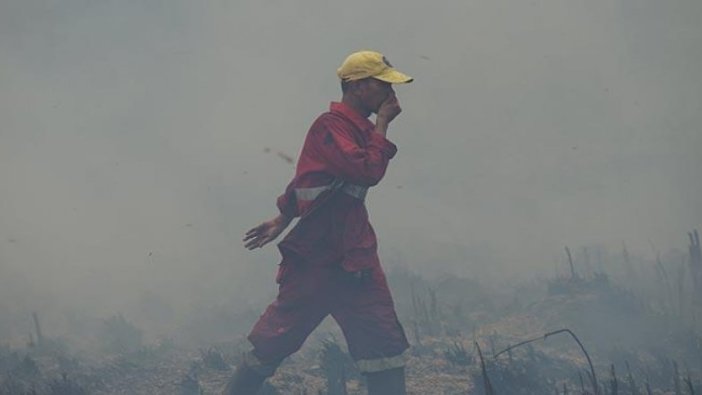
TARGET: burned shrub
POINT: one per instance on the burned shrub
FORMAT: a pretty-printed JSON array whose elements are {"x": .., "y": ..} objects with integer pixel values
[
  {"x": 457, "y": 355},
  {"x": 212, "y": 359},
  {"x": 337, "y": 367},
  {"x": 598, "y": 282},
  {"x": 190, "y": 385},
  {"x": 65, "y": 386},
  {"x": 26, "y": 369},
  {"x": 8, "y": 359},
  {"x": 119, "y": 335},
  {"x": 18, "y": 374},
  {"x": 12, "y": 386},
  {"x": 268, "y": 389}
]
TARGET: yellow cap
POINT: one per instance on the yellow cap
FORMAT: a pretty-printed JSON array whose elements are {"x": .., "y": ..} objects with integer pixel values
[{"x": 364, "y": 64}]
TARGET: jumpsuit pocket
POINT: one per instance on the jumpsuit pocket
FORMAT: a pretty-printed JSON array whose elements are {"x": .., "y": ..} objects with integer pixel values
[
  {"x": 285, "y": 265},
  {"x": 283, "y": 271},
  {"x": 354, "y": 279},
  {"x": 361, "y": 277},
  {"x": 290, "y": 266}
]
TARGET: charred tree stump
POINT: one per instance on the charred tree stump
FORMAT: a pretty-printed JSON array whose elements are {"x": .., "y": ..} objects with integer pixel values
[
  {"x": 628, "y": 265},
  {"x": 573, "y": 275},
  {"x": 695, "y": 261},
  {"x": 613, "y": 382},
  {"x": 37, "y": 327}
]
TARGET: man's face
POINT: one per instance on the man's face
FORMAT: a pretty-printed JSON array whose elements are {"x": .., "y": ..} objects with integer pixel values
[{"x": 373, "y": 93}]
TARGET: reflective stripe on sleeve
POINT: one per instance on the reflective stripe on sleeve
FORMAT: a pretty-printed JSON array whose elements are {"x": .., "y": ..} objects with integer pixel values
[
  {"x": 357, "y": 191},
  {"x": 311, "y": 193}
]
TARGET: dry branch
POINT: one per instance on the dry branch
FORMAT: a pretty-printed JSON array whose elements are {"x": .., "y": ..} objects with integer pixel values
[
  {"x": 593, "y": 378},
  {"x": 486, "y": 379}
]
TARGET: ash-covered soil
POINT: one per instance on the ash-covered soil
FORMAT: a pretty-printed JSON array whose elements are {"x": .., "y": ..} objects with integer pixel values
[{"x": 638, "y": 343}]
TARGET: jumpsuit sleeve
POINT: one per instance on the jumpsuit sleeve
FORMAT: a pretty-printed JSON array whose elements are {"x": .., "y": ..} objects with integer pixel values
[
  {"x": 287, "y": 202},
  {"x": 350, "y": 161}
]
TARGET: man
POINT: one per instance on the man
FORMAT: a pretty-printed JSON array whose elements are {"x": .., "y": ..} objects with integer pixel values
[{"x": 330, "y": 262}]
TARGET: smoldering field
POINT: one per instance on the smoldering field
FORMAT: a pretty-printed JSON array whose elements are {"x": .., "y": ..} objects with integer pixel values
[
  {"x": 139, "y": 141},
  {"x": 636, "y": 316}
]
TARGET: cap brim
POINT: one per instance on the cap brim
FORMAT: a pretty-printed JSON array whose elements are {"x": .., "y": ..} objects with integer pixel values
[{"x": 393, "y": 76}]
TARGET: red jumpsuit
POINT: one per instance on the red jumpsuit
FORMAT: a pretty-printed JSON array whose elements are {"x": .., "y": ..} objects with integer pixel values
[{"x": 330, "y": 262}]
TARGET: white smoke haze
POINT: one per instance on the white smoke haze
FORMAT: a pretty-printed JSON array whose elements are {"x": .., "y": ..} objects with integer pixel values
[{"x": 140, "y": 140}]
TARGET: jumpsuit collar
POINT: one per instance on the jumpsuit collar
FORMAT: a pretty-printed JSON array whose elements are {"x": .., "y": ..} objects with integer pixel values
[{"x": 357, "y": 119}]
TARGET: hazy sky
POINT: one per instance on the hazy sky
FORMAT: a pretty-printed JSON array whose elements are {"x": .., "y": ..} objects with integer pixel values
[{"x": 134, "y": 133}]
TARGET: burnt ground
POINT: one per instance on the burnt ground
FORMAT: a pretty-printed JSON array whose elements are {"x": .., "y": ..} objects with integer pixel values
[{"x": 638, "y": 344}]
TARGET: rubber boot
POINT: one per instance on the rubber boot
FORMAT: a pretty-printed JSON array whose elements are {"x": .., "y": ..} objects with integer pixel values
[
  {"x": 387, "y": 382},
  {"x": 245, "y": 381}
]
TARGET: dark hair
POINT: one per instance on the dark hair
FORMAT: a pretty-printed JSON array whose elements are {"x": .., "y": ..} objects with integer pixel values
[
  {"x": 347, "y": 84},
  {"x": 344, "y": 86}
]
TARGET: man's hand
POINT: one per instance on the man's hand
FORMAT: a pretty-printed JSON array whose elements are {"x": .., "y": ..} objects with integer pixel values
[
  {"x": 389, "y": 109},
  {"x": 266, "y": 232}
]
